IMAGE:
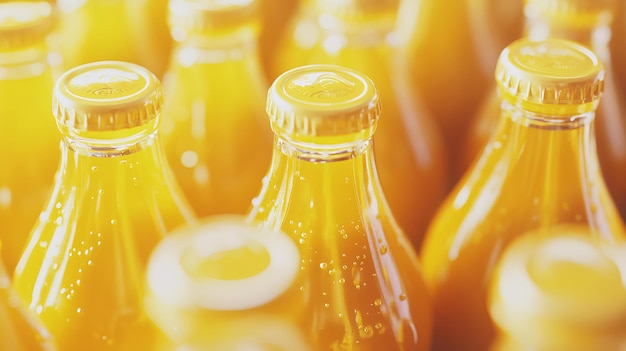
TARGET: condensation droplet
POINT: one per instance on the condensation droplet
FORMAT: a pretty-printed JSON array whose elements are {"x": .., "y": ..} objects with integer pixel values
[
  {"x": 383, "y": 250},
  {"x": 43, "y": 244},
  {"x": 324, "y": 265},
  {"x": 402, "y": 297},
  {"x": 378, "y": 302}
]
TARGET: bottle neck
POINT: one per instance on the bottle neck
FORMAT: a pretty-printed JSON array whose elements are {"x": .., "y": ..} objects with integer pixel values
[
  {"x": 110, "y": 144},
  {"x": 240, "y": 45},
  {"x": 314, "y": 179}
]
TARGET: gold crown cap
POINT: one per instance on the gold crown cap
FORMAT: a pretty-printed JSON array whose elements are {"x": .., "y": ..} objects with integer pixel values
[
  {"x": 577, "y": 13},
  {"x": 553, "y": 76},
  {"x": 106, "y": 96},
  {"x": 23, "y": 23},
  {"x": 322, "y": 100},
  {"x": 199, "y": 16}
]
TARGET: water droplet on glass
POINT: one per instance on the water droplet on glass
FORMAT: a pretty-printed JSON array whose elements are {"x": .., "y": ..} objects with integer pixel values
[
  {"x": 324, "y": 265},
  {"x": 402, "y": 297},
  {"x": 383, "y": 250}
]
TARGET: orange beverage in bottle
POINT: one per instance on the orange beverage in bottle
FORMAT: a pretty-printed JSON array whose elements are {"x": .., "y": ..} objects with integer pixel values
[
  {"x": 588, "y": 22},
  {"x": 126, "y": 30},
  {"x": 539, "y": 171},
  {"x": 29, "y": 141},
  {"x": 21, "y": 330},
  {"x": 215, "y": 131},
  {"x": 559, "y": 292},
  {"x": 358, "y": 284},
  {"x": 360, "y": 34},
  {"x": 113, "y": 200},
  {"x": 445, "y": 41}
]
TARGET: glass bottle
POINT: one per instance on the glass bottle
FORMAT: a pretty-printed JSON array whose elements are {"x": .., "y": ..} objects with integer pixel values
[
  {"x": 113, "y": 200},
  {"x": 558, "y": 292},
  {"x": 539, "y": 170},
  {"x": 215, "y": 131},
  {"x": 360, "y": 34},
  {"x": 358, "y": 282},
  {"x": 29, "y": 155},
  {"x": 126, "y": 30},
  {"x": 21, "y": 331},
  {"x": 446, "y": 40},
  {"x": 587, "y": 22},
  {"x": 225, "y": 285}
]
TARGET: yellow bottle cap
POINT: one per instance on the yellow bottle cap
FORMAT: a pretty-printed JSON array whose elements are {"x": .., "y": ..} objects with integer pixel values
[
  {"x": 309, "y": 102},
  {"x": 575, "y": 13},
  {"x": 549, "y": 286},
  {"x": 106, "y": 96},
  {"x": 210, "y": 16},
  {"x": 551, "y": 77},
  {"x": 23, "y": 23}
]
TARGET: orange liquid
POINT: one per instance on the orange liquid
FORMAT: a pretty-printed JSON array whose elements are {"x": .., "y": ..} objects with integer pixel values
[
  {"x": 449, "y": 45},
  {"x": 528, "y": 178},
  {"x": 359, "y": 285},
  {"x": 82, "y": 271},
  {"x": 215, "y": 131},
  {"x": 29, "y": 149},
  {"x": 133, "y": 31},
  {"x": 410, "y": 157}
]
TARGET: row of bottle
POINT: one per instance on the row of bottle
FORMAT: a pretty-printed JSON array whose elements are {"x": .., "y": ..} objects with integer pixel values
[
  {"x": 318, "y": 262},
  {"x": 482, "y": 186},
  {"x": 212, "y": 51}
]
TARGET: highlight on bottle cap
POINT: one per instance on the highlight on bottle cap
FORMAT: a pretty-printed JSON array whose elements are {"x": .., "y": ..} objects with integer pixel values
[
  {"x": 223, "y": 263},
  {"x": 106, "y": 96},
  {"x": 323, "y": 100},
  {"x": 553, "y": 76},
  {"x": 547, "y": 285},
  {"x": 210, "y": 16},
  {"x": 573, "y": 13},
  {"x": 23, "y": 23}
]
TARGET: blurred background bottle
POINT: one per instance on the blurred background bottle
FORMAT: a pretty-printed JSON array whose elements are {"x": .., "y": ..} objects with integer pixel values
[
  {"x": 539, "y": 170},
  {"x": 29, "y": 140},
  {"x": 113, "y": 200},
  {"x": 126, "y": 30},
  {"x": 358, "y": 283},
  {"x": 215, "y": 131},
  {"x": 452, "y": 48},
  {"x": 360, "y": 34},
  {"x": 21, "y": 330},
  {"x": 225, "y": 284},
  {"x": 558, "y": 292},
  {"x": 275, "y": 16},
  {"x": 587, "y": 22}
]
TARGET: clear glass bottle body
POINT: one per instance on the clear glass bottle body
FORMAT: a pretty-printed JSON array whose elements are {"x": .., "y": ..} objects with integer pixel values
[
  {"x": 215, "y": 132},
  {"x": 359, "y": 286},
  {"x": 411, "y": 161},
  {"x": 29, "y": 141},
  {"x": 537, "y": 172}
]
